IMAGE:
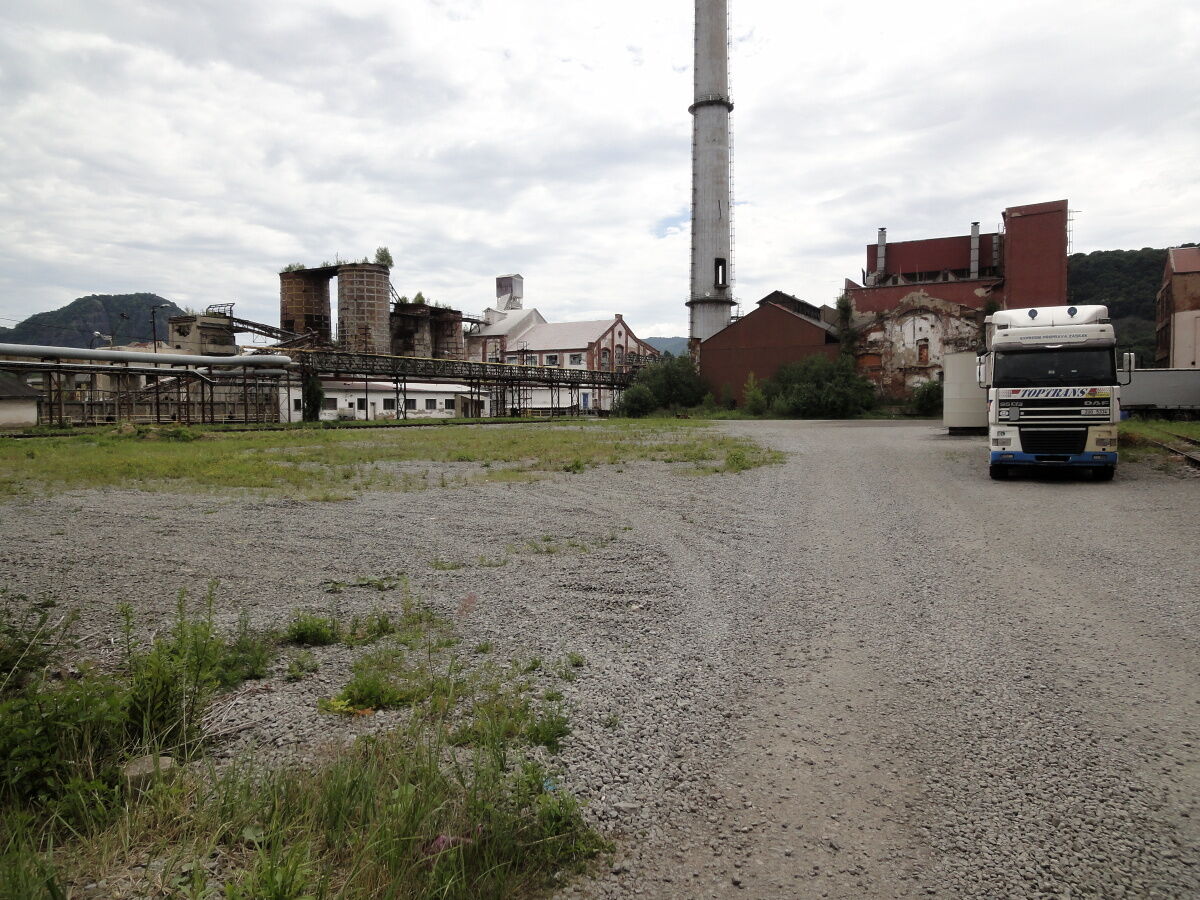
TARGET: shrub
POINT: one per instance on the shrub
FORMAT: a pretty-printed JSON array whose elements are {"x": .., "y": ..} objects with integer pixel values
[
  {"x": 927, "y": 399},
  {"x": 29, "y": 640},
  {"x": 637, "y": 401},
  {"x": 753, "y": 398},
  {"x": 818, "y": 387},
  {"x": 672, "y": 383}
]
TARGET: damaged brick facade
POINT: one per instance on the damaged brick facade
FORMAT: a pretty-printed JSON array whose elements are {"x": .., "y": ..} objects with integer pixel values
[{"x": 902, "y": 348}]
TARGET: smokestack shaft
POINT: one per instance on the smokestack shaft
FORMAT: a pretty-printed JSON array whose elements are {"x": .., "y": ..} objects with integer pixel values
[
  {"x": 974, "y": 249},
  {"x": 712, "y": 243}
]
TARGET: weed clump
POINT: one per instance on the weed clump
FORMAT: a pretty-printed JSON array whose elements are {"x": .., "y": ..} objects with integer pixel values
[{"x": 311, "y": 630}]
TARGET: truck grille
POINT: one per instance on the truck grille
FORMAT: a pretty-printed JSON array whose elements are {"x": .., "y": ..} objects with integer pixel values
[{"x": 1053, "y": 440}]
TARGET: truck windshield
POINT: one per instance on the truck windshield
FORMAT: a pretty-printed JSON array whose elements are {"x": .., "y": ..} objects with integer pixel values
[{"x": 1071, "y": 367}]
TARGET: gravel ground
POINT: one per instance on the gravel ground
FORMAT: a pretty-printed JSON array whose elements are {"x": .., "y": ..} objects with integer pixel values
[{"x": 869, "y": 672}]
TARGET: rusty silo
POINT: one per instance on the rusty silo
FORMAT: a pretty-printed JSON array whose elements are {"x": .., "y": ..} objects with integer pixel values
[
  {"x": 364, "y": 305},
  {"x": 304, "y": 301}
]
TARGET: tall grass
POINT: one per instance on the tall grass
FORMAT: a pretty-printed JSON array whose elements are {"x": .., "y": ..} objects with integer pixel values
[{"x": 333, "y": 464}]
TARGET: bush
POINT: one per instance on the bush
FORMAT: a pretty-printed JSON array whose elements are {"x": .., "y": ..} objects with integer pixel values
[
  {"x": 673, "y": 383},
  {"x": 819, "y": 388},
  {"x": 753, "y": 399},
  {"x": 927, "y": 399},
  {"x": 637, "y": 401}
]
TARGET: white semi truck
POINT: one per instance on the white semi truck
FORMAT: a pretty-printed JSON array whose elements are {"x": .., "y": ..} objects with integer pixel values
[{"x": 1053, "y": 396}]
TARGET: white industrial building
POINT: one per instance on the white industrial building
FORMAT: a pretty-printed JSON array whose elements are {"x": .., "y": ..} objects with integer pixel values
[
  {"x": 517, "y": 336},
  {"x": 372, "y": 400}
]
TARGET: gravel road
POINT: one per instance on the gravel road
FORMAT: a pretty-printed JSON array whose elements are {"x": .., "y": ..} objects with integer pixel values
[{"x": 869, "y": 672}]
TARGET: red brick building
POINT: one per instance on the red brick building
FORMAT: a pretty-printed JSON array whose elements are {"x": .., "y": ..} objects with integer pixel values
[
  {"x": 922, "y": 299},
  {"x": 1177, "y": 311},
  {"x": 781, "y": 329}
]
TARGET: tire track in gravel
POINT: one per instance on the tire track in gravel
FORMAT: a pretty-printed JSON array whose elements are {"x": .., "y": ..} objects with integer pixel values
[{"x": 964, "y": 744}]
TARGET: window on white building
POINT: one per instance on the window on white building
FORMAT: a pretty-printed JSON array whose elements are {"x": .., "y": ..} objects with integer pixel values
[
  {"x": 431, "y": 403},
  {"x": 450, "y": 403},
  {"x": 298, "y": 405},
  {"x": 329, "y": 403},
  {"x": 362, "y": 402},
  {"x": 410, "y": 403},
  {"x": 575, "y": 359},
  {"x": 389, "y": 403}
]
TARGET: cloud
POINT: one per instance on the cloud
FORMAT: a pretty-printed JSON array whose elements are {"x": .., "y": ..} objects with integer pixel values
[{"x": 194, "y": 149}]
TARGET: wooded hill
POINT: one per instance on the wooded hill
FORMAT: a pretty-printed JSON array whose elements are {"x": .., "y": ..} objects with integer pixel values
[
  {"x": 1126, "y": 281},
  {"x": 126, "y": 317}
]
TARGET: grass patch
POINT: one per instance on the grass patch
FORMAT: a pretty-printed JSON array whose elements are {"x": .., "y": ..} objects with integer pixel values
[
  {"x": 301, "y": 665},
  {"x": 1137, "y": 436},
  {"x": 448, "y": 804},
  {"x": 333, "y": 464},
  {"x": 311, "y": 630}
]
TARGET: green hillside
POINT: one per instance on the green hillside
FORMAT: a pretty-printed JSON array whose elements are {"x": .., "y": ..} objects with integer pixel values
[
  {"x": 676, "y": 346},
  {"x": 126, "y": 317},
  {"x": 1126, "y": 281}
]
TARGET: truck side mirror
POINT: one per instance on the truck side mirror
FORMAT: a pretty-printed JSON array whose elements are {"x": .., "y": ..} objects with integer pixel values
[
  {"x": 1128, "y": 364},
  {"x": 980, "y": 371}
]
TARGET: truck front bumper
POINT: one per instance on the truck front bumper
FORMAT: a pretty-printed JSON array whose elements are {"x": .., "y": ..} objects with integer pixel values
[{"x": 1088, "y": 458}]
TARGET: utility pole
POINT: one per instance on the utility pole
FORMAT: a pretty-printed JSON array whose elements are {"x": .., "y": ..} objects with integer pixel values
[{"x": 154, "y": 334}]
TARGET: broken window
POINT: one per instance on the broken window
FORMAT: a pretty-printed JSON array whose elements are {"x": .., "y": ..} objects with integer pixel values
[{"x": 923, "y": 352}]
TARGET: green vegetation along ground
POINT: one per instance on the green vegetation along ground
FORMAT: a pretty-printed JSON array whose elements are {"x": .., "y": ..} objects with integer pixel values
[
  {"x": 332, "y": 464},
  {"x": 1138, "y": 435},
  {"x": 451, "y": 803}
]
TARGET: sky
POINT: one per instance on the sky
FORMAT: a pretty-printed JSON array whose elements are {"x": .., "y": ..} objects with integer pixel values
[{"x": 194, "y": 149}]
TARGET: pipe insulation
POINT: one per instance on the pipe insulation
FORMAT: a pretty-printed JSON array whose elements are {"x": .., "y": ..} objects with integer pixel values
[{"x": 162, "y": 359}]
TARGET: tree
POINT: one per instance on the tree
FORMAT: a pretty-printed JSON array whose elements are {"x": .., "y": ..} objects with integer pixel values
[
  {"x": 753, "y": 399},
  {"x": 673, "y": 383},
  {"x": 383, "y": 257},
  {"x": 847, "y": 334},
  {"x": 313, "y": 397},
  {"x": 637, "y": 401},
  {"x": 293, "y": 267}
]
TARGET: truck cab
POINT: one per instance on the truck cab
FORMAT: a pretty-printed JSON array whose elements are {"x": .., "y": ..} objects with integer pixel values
[{"x": 1053, "y": 397}]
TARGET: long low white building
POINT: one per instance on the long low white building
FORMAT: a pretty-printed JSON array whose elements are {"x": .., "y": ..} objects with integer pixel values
[{"x": 385, "y": 400}]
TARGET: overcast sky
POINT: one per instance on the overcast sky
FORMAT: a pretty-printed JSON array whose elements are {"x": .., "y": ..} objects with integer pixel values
[{"x": 193, "y": 149}]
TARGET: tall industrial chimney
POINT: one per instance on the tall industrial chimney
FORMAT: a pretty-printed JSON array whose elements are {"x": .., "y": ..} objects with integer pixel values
[
  {"x": 712, "y": 242},
  {"x": 974, "y": 249}
]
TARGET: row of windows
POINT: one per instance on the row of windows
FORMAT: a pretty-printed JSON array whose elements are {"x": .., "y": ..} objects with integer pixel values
[{"x": 389, "y": 403}]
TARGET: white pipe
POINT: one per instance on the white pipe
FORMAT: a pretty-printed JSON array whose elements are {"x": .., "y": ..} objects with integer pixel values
[{"x": 38, "y": 351}]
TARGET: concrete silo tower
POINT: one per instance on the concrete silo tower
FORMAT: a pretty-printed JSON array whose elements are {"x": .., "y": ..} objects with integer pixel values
[{"x": 711, "y": 298}]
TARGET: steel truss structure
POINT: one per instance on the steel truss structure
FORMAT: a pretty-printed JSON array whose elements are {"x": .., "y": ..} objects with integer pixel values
[{"x": 508, "y": 384}]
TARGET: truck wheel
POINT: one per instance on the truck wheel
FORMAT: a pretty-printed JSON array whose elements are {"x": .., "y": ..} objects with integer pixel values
[
  {"x": 1104, "y": 473},
  {"x": 998, "y": 472}
]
